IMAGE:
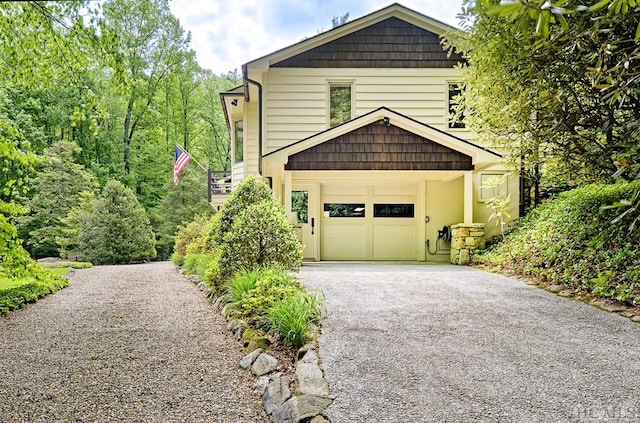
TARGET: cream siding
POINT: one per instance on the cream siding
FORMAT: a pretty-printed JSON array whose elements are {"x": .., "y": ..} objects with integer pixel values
[{"x": 296, "y": 99}]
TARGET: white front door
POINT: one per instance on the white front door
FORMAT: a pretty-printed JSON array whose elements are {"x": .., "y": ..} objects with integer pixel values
[{"x": 304, "y": 204}]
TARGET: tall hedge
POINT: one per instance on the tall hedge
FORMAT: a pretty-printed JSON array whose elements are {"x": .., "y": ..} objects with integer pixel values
[{"x": 117, "y": 230}]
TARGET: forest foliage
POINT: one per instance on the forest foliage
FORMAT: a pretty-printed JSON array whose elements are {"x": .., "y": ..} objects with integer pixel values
[{"x": 98, "y": 91}]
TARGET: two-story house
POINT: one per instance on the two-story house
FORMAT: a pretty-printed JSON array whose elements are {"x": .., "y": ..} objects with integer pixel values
[{"x": 352, "y": 130}]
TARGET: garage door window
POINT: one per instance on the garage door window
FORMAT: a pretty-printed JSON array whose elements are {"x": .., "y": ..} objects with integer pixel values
[
  {"x": 393, "y": 210},
  {"x": 343, "y": 210}
]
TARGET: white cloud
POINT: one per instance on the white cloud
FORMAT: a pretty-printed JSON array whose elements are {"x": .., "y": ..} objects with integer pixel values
[{"x": 227, "y": 34}]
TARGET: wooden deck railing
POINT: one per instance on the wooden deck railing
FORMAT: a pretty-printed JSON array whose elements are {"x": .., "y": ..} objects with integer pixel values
[{"x": 219, "y": 182}]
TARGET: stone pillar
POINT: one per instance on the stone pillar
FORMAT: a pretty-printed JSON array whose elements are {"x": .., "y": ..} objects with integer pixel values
[{"x": 466, "y": 238}]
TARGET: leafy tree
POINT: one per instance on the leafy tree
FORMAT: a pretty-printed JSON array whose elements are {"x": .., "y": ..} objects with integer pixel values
[
  {"x": 179, "y": 206},
  {"x": 59, "y": 188},
  {"x": 553, "y": 84},
  {"x": 117, "y": 230},
  {"x": 144, "y": 43}
]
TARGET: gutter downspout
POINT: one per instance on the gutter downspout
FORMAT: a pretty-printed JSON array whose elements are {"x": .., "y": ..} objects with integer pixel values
[{"x": 259, "y": 86}]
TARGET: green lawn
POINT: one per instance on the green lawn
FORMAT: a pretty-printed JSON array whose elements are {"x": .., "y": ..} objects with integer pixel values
[{"x": 15, "y": 293}]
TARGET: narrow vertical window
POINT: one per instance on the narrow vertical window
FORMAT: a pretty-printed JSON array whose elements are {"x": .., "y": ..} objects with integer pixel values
[
  {"x": 239, "y": 138},
  {"x": 300, "y": 205},
  {"x": 456, "y": 106},
  {"x": 339, "y": 103}
]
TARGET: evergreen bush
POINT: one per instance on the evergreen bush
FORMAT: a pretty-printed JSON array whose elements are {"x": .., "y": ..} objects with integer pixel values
[
  {"x": 250, "y": 191},
  {"x": 260, "y": 236},
  {"x": 117, "y": 229}
]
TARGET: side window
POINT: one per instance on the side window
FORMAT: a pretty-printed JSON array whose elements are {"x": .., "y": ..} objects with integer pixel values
[
  {"x": 339, "y": 103},
  {"x": 239, "y": 138},
  {"x": 455, "y": 106}
]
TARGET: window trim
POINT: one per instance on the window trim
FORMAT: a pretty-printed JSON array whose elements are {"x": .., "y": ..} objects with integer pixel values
[{"x": 339, "y": 83}]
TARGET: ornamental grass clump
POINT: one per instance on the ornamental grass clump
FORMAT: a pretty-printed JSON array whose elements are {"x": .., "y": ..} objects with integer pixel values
[{"x": 292, "y": 317}]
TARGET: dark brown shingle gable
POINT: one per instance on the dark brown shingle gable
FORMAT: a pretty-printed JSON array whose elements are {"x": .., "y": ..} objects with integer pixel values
[{"x": 391, "y": 43}]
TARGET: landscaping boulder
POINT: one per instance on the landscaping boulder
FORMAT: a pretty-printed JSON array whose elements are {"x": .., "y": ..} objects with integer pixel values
[{"x": 264, "y": 364}]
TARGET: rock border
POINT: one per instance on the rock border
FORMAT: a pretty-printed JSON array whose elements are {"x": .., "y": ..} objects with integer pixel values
[{"x": 287, "y": 398}]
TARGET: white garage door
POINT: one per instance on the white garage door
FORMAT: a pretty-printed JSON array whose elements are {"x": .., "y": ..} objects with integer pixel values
[{"x": 369, "y": 222}]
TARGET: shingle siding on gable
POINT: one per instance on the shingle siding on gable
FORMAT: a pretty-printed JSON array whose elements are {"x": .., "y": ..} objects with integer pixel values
[
  {"x": 392, "y": 43},
  {"x": 379, "y": 147}
]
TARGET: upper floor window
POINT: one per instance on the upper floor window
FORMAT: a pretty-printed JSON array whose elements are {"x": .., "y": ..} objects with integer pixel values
[
  {"x": 238, "y": 141},
  {"x": 456, "y": 106},
  {"x": 339, "y": 103}
]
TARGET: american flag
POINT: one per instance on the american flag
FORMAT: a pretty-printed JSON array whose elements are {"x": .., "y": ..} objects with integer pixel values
[{"x": 181, "y": 160}]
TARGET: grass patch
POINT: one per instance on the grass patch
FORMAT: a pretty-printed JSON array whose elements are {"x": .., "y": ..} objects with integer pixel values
[
  {"x": 16, "y": 293},
  {"x": 571, "y": 241},
  {"x": 67, "y": 265}
]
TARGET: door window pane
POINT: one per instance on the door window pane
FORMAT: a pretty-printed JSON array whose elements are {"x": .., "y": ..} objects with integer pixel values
[
  {"x": 393, "y": 210},
  {"x": 343, "y": 210},
  {"x": 300, "y": 205}
]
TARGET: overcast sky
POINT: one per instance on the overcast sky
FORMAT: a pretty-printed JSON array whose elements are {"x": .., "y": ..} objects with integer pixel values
[{"x": 228, "y": 33}]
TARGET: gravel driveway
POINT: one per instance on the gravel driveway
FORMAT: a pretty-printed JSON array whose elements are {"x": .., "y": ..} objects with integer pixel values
[
  {"x": 437, "y": 343},
  {"x": 123, "y": 343}
]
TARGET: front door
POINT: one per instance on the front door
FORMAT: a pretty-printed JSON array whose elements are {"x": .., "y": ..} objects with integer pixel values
[{"x": 304, "y": 205}]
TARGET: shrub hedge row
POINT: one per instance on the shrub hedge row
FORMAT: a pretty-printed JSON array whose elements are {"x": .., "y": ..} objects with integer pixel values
[{"x": 247, "y": 252}]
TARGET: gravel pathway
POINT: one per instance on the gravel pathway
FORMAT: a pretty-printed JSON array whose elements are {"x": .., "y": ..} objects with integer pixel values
[
  {"x": 433, "y": 343},
  {"x": 123, "y": 343}
]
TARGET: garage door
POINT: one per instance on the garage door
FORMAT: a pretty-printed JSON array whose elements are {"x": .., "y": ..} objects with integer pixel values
[{"x": 369, "y": 222}]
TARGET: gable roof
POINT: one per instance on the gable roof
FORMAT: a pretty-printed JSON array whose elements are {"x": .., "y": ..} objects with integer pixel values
[
  {"x": 393, "y": 11},
  {"x": 480, "y": 156}
]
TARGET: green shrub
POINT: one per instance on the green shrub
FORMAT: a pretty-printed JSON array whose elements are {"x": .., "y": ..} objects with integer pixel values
[
  {"x": 197, "y": 264},
  {"x": 29, "y": 289},
  {"x": 260, "y": 236},
  {"x": 242, "y": 282},
  {"x": 571, "y": 240},
  {"x": 272, "y": 285},
  {"x": 117, "y": 230},
  {"x": 250, "y": 191},
  {"x": 292, "y": 316},
  {"x": 190, "y": 239}
]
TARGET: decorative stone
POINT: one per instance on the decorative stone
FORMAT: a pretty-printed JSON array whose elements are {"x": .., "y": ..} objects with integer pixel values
[
  {"x": 264, "y": 364},
  {"x": 261, "y": 384},
  {"x": 610, "y": 307},
  {"x": 297, "y": 409},
  {"x": 319, "y": 419},
  {"x": 249, "y": 359},
  {"x": 464, "y": 257},
  {"x": 276, "y": 394},
  {"x": 306, "y": 347},
  {"x": 466, "y": 238},
  {"x": 310, "y": 379},
  {"x": 636, "y": 319},
  {"x": 310, "y": 357},
  {"x": 555, "y": 288}
]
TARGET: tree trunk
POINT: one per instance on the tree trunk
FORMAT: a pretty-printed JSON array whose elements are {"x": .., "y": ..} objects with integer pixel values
[{"x": 127, "y": 135}]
